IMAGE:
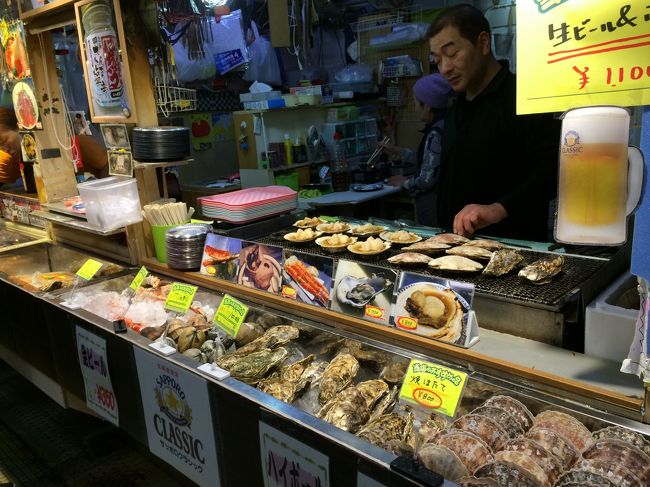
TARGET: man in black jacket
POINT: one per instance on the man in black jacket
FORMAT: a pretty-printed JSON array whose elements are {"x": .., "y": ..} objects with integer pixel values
[{"x": 498, "y": 170}]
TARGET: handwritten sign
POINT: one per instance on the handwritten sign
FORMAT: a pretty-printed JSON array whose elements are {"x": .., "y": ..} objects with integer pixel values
[
  {"x": 139, "y": 278},
  {"x": 94, "y": 369},
  {"x": 287, "y": 461},
  {"x": 88, "y": 270},
  {"x": 230, "y": 315},
  {"x": 433, "y": 387},
  {"x": 180, "y": 297},
  {"x": 573, "y": 53}
]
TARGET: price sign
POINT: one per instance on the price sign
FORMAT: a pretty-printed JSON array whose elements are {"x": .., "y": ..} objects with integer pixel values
[
  {"x": 139, "y": 277},
  {"x": 230, "y": 315},
  {"x": 89, "y": 269},
  {"x": 433, "y": 387},
  {"x": 94, "y": 369},
  {"x": 180, "y": 297}
]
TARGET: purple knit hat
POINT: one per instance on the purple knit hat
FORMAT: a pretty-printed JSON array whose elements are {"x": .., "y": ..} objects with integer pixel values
[{"x": 432, "y": 90}]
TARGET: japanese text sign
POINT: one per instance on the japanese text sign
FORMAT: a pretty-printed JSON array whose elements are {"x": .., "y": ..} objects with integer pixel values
[
  {"x": 94, "y": 369},
  {"x": 180, "y": 297},
  {"x": 230, "y": 315},
  {"x": 573, "y": 53},
  {"x": 88, "y": 270},
  {"x": 286, "y": 461},
  {"x": 433, "y": 387},
  {"x": 139, "y": 278}
]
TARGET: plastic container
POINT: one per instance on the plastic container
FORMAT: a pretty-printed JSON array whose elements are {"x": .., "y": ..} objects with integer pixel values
[
  {"x": 111, "y": 203},
  {"x": 158, "y": 234}
]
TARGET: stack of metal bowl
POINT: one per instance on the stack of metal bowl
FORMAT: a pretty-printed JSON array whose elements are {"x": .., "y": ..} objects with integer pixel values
[
  {"x": 161, "y": 144},
  {"x": 185, "y": 246}
]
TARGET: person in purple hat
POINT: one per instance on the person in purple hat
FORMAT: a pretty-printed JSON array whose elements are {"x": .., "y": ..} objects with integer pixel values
[{"x": 432, "y": 96}]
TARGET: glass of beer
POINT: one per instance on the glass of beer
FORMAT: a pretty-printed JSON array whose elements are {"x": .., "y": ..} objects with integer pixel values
[{"x": 600, "y": 177}]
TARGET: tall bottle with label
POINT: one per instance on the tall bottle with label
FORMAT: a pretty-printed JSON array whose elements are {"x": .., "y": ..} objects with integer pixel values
[{"x": 104, "y": 65}]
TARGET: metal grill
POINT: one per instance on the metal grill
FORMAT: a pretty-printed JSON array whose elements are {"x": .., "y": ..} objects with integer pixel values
[{"x": 576, "y": 271}]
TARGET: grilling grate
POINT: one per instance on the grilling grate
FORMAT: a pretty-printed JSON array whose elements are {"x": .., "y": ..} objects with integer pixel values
[{"x": 576, "y": 271}]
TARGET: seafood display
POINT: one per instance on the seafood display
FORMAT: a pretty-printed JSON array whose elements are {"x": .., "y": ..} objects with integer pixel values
[
  {"x": 401, "y": 237},
  {"x": 502, "y": 262},
  {"x": 301, "y": 236},
  {"x": 260, "y": 267},
  {"x": 429, "y": 246},
  {"x": 543, "y": 271},
  {"x": 455, "y": 263},
  {"x": 335, "y": 243},
  {"x": 372, "y": 246},
  {"x": 335, "y": 227},
  {"x": 409, "y": 258},
  {"x": 470, "y": 251},
  {"x": 313, "y": 280},
  {"x": 308, "y": 222},
  {"x": 367, "y": 229}
]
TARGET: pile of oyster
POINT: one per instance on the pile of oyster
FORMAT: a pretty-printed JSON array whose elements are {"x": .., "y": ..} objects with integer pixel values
[{"x": 501, "y": 443}]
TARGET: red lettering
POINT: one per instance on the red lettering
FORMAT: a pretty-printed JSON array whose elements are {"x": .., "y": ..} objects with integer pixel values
[{"x": 636, "y": 73}]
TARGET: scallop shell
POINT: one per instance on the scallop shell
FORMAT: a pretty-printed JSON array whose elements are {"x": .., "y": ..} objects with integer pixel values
[
  {"x": 477, "y": 482},
  {"x": 624, "y": 434},
  {"x": 472, "y": 450},
  {"x": 485, "y": 428},
  {"x": 584, "y": 478},
  {"x": 503, "y": 418},
  {"x": 455, "y": 263},
  {"x": 515, "y": 408},
  {"x": 427, "y": 247},
  {"x": 485, "y": 243},
  {"x": 450, "y": 239},
  {"x": 540, "y": 455},
  {"x": 442, "y": 460},
  {"x": 622, "y": 453},
  {"x": 431, "y": 428},
  {"x": 470, "y": 251},
  {"x": 524, "y": 462},
  {"x": 620, "y": 475},
  {"x": 568, "y": 426},
  {"x": 409, "y": 258},
  {"x": 512, "y": 475},
  {"x": 554, "y": 443},
  {"x": 487, "y": 471}
]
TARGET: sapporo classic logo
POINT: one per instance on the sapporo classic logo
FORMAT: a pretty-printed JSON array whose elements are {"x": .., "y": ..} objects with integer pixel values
[
  {"x": 571, "y": 143},
  {"x": 176, "y": 417}
]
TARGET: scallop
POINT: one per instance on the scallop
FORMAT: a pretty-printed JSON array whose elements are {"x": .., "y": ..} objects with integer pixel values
[
  {"x": 620, "y": 475},
  {"x": 554, "y": 443},
  {"x": 540, "y": 455},
  {"x": 502, "y": 417},
  {"x": 485, "y": 428},
  {"x": 624, "y": 434},
  {"x": 567, "y": 426},
  {"x": 442, "y": 460},
  {"x": 477, "y": 482},
  {"x": 511, "y": 405},
  {"x": 524, "y": 463},
  {"x": 512, "y": 475},
  {"x": 622, "y": 453},
  {"x": 472, "y": 450},
  {"x": 584, "y": 478},
  {"x": 470, "y": 251},
  {"x": 450, "y": 239},
  {"x": 485, "y": 243}
]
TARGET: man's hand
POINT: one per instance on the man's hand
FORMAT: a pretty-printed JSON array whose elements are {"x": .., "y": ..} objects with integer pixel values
[{"x": 474, "y": 217}]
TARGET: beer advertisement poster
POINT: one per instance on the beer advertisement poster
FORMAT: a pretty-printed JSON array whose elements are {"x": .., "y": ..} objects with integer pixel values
[{"x": 178, "y": 419}]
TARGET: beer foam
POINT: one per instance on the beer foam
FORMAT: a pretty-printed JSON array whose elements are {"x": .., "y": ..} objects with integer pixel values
[{"x": 598, "y": 125}]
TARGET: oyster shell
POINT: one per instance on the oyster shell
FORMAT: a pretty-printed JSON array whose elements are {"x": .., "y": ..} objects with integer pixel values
[
  {"x": 620, "y": 475},
  {"x": 555, "y": 443},
  {"x": 273, "y": 337},
  {"x": 428, "y": 246},
  {"x": 511, "y": 405},
  {"x": 503, "y": 418},
  {"x": 350, "y": 409},
  {"x": 382, "y": 430},
  {"x": 442, "y": 460},
  {"x": 394, "y": 372},
  {"x": 567, "y": 426},
  {"x": 485, "y": 243},
  {"x": 359, "y": 291},
  {"x": 409, "y": 258},
  {"x": 542, "y": 271},
  {"x": 369, "y": 356},
  {"x": 485, "y": 428},
  {"x": 385, "y": 404},
  {"x": 337, "y": 375},
  {"x": 540, "y": 455},
  {"x": 621, "y": 453},
  {"x": 247, "y": 333},
  {"x": 253, "y": 367},
  {"x": 455, "y": 263},
  {"x": 450, "y": 239},
  {"x": 487, "y": 471},
  {"x": 470, "y": 251},
  {"x": 286, "y": 383},
  {"x": 624, "y": 434},
  {"x": 430, "y": 429},
  {"x": 472, "y": 451},
  {"x": 477, "y": 482},
  {"x": 523, "y": 462},
  {"x": 502, "y": 262},
  {"x": 586, "y": 478}
]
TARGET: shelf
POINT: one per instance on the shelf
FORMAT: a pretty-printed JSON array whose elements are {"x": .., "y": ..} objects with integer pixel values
[
  {"x": 45, "y": 9},
  {"x": 311, "y": 107},
  {"x": 296, "y": 166},
  {"x": 75, "y": 223},
  {"x": 155, "y": 165}
]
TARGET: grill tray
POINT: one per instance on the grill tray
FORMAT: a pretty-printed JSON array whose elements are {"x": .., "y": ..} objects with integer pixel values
[{"x": 576, "y": 271}]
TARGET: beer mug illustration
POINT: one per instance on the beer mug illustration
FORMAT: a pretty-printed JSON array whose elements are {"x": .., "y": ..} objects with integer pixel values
[
  {"x": 545, "y": 5},
  {"x": 600, "y": 177}
]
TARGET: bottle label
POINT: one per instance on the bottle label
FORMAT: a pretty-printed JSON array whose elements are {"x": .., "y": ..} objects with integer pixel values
[{"x": 105, "y": 69}]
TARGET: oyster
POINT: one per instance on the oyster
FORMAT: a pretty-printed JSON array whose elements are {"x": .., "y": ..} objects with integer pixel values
[
  {"x": 431, "y": 428},
  {"x": 253, "y": 367},
  {"x": 554, "y": 443},
  {"x": 584, "y": 477},
  {"x": 621, "y": 453},
  {"x": 485, "y": 243},
  {"x": 375, "y": 359},
  {"x": 567, "y": 426},
  {"x": 337, "y": 375},
  {"x": 350, "y": 409},
  {"x": 477, "y": 482},
  {"x": 620, "y": 475},
  {"x": 540, "y": 455},
  {"x": 409, "y": 258},
  {"x": 358, "y": 292},
  {"x": 385, "y": 428},
  {"x": 455, "y": 263},
  {"x": 189, "y": 337},
  {"x": 542, "y": 271},
  {"x": 487, "y": 471},
  {"x": 523, "y": 462},
  {"x": 470, "y": 251},
  {"x": 624, "y": 434},
  {"x": 503, "y": 418},
  {"x": 502, "y": 262},
  {"x": 247, "y": 333},
  {"x": 485, "y": 428},
  {"x": 514, "y": 407},
  {"x": 400, "y": 237},
  {"x": 286, "y": 383},
  {"x": 385, "y": 404},
  {"x": 450, "y": 239},
  {"x": 442, "y": 460},
  {"x": 394, "y": 372},
  {"x": 428, "y": 246},
  {"x": 273, "y": 337},
  {"x": 472, "y": 450},
  {"x": 265, "y": 319},
  {"x": 212, "y": 350}
]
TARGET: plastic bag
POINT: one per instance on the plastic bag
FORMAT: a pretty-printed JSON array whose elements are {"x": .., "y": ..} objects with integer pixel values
[
  {"x": 263, "y": 65},
  {"x": 354, "y": 73},
  {"x": 187, "y": 69}
]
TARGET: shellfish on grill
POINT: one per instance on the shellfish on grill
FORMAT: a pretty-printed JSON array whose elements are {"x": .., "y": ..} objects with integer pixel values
[
  {"x": 542, "y": 271},
  {"x": 455, "y": 263},
  {"x": 485, "y": 243},
  {"x": 450, "y": 239},
  {"x": 428, "y": 246},
  {"x": 442, "y": 460},
  {"x": 359, "y": 291},
  {"x": 470, "y": 251},
  {"x": 502, "y": 262},
  {"x": 409, "y": 258}
]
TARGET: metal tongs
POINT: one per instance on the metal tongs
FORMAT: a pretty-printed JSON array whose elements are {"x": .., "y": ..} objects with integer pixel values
[{"x": 370, "y": 163}]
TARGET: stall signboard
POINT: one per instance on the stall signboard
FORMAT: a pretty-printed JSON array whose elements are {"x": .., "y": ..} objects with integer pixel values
[
  {"x": 307, "y": 278},
  {"x": 139, "y": 278},
  {"x": 573, "y": 53},
  {"x": 89, "y": 268},
  {"x": 180, "y": 297},
  {"x": 433, "y": 387},
  {"x": 287, "y": 461},
  {"x": 93, "y": 361},
  {"x": 230, "y": 314},
  {"x": 178, "y": 418}
]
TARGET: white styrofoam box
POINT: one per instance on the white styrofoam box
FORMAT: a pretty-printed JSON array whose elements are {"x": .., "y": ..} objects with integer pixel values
[
  {"x": 111, "y": 202},
  {"x": 609, "y": 329}
]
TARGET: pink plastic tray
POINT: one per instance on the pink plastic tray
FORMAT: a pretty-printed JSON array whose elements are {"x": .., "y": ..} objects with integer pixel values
[{"x": 251, "y": 197}]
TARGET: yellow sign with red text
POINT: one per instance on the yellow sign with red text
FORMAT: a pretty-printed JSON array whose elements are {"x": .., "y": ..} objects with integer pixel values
[{"x": 573, "y": 53}]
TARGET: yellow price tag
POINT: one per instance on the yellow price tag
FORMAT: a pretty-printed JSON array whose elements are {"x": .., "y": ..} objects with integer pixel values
[
  {"x": 433, "y": 387},
  {"x": 180, "y": 297},
  {"x": 89, "y": 269},
  {"x": 139, "y": 278},
  {"x": 230, "y": 315}
]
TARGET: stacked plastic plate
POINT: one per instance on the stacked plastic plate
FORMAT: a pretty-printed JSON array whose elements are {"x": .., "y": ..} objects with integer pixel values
[
  {"x": 185, "y": 246},
  {"x": 249, "y": 204},
  {"x": 160, "y": 144}
]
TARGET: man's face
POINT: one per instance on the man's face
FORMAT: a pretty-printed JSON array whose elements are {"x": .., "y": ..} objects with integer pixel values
[{"x": 462, "y": 62}]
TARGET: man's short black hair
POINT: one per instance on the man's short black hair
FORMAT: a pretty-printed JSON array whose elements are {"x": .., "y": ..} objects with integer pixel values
[{"x": 469, "y": 21}]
